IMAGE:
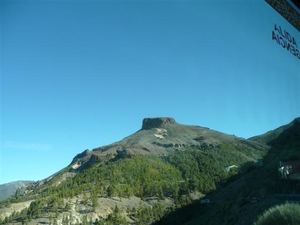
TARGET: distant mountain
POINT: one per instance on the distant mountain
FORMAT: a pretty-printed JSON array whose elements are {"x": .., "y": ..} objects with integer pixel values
[
  {"x": 160, "y": 174},
  {"x": 9, "y": 189}
]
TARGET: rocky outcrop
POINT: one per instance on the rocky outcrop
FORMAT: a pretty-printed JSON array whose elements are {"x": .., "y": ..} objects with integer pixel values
[
  {"x": 86, "y": 157},
  {"x": 159, "y": 122},
  {"x": 81, "y": 155},
  {"x": 169, "y": 145}
]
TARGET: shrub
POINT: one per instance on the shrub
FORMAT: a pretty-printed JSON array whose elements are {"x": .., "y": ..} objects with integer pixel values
[{"x": 288, "y": 214}]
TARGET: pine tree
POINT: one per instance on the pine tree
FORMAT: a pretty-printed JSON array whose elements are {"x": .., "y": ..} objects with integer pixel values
[
  {"x": 85, "y": 198},
  {"x": 95, "y": 203},
  {"x": 67, "y": 206}
]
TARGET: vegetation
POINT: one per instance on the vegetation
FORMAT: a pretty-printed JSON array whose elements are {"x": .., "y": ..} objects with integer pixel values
[
  {"x": 287, "y": 214},
  {"x": 174, "y": 176},
  {"x": 167, "y": 185},
  {"x": 140, "y": 176},
  {"x": 144, "y": 176},
  {"x": 234, "y": 205},
  {"x": 204, "y": 170}
]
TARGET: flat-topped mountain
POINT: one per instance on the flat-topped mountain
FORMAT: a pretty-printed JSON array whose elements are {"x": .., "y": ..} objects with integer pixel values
[
  {"x": 160, "y": 174},
  {"x": 160, "y": 122},
  {"x": 162, "y": 136}
]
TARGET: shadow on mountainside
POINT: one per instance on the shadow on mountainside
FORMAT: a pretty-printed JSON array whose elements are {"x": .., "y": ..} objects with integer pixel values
[{"x": 242, "y": 200}]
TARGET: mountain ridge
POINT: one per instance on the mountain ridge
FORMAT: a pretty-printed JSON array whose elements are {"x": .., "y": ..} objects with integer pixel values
[
  {"x": 162, "y": 168},
  {"x": 267, "y": 137},
  {"x": 160, "y": 136}
]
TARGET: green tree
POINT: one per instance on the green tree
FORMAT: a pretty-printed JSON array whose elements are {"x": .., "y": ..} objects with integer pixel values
[
  {"x": 84, "y": 220},
  {"x": 66, "y": 220},
  {"x": 50, "y": 218},
  {"x": 94, "y": 200},
  {"x": 35, "y": 209},
  {"x": 116, "y": 217},
  {"x": 281, "y": 214},
  {"x": 67, "y": 206},
  {"x": 85, "y": 198},
  {"x": 110, "y": 191},
  {"x": 76, "y": 205}
]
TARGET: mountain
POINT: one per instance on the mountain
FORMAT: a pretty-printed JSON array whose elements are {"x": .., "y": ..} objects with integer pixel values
[
  {"x": 9, "y": 189},
  {"x": 159, "y": 174},
  {"x": 161, "y": 137}
]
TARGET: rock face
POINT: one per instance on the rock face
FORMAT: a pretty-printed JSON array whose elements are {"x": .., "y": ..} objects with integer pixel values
[{"x": 160, "y": 122}]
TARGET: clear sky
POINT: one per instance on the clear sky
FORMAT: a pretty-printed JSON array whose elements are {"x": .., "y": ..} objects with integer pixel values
[{"x": 77, "y": 75}]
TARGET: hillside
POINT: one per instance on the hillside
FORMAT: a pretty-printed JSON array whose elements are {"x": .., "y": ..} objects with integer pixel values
[
  {"x": 233, "y": 203},
  {"x": 270, "y": 136},
  {"x": 162, "y": 169}
]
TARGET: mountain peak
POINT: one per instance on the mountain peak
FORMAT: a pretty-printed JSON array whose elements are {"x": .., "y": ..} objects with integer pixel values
[{"x": 158, "y": 122}]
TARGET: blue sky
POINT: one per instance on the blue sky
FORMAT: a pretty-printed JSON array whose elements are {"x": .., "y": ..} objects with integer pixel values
[{"x": 78, "y": 75}]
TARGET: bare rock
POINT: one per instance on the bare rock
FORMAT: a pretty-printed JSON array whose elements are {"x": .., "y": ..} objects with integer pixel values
[{"x": 159, "y": 122}]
